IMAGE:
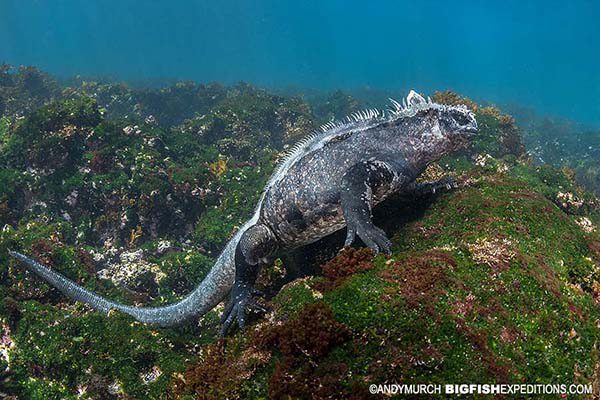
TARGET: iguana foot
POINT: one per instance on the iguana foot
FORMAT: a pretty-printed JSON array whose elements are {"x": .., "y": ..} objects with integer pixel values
[
  {"x": 371, "y": 235},
  {"x": 444, "y": 184},
  {"x": 237, "y": 310}
]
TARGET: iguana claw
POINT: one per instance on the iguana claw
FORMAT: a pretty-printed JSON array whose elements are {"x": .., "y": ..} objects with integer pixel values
[
  {"x": 241, "y": 302},
  {"x": 371, "y": 235}
]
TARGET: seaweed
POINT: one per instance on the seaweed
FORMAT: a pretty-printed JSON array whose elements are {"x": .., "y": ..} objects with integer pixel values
[{"x": 133, "y": 193}]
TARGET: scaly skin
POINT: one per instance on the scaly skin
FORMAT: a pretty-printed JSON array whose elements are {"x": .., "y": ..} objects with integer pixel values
[
  {"x": 331, "y": 180},
  {"x": 338, "y": 178}
]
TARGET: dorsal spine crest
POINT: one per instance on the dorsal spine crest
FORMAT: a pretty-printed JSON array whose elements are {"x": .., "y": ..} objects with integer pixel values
[{"x": 358, "y": 120}]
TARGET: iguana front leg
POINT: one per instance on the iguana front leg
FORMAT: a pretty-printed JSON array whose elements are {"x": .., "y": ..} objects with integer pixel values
[
  {"x": 254, "y": 249},
  {"x": 358, "y": 186}
]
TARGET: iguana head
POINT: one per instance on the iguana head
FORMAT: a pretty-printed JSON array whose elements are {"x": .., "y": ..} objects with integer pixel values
[
  {"x": 436, "y": 129},
  {"x": 458, "y": 124}
]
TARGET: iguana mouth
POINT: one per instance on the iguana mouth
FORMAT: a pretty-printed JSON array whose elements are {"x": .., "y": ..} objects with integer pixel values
[{"x": 472, "y": 129}]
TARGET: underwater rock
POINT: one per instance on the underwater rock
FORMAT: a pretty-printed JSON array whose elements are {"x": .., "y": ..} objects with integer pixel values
[
  {"x": 586, "y": 224},
  {"x": 24, "y": 90},
  {"x": 496, "y": 253},
  {"x": 496, "y": 281},
  {"x": 333, "y": 106},
  {"x": 452, "y": 300},
  {"x": 6, "y": 345},
  {"x": 134, "y": 272}
]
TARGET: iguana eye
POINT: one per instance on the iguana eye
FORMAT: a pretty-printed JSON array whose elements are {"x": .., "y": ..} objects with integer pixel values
[{"x": 460, "y": 118}]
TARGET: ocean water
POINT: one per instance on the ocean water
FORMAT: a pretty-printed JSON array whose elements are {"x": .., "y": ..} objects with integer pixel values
[
  {"x": 136, "y": 193},
  {"x": 542, "y": 54}
]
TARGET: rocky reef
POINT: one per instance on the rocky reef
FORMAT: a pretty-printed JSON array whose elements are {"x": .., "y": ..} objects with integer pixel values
[
  {"x": 133, "y": 192},
  {"x": 564, "y": 144}
]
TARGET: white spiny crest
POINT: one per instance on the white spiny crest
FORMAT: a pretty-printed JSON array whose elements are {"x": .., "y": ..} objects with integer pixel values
[
  {"x": 415, "y": 98},
  {"x": 331, "y": 129},
  {"x": 332, "y": 125},
  {"x": 414, "y": 103},
  {"x": 363, "y": 115},
  {"x": 397, "y": 106},
  {"x": 357, "y": 121}
]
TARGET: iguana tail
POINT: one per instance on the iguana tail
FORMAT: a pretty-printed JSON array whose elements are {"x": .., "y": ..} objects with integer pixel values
[{"x": 207, "y": 295}]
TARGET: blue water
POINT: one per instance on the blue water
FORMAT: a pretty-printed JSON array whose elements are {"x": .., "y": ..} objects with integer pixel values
[{"x": 543, "y": 54}]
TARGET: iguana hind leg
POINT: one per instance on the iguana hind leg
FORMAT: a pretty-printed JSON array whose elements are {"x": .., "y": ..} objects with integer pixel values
[{"x": 255, "y": 248}]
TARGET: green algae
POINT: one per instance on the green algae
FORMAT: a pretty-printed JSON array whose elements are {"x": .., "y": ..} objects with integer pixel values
[
  {"x": 496, "y": 281},
  {"x": 519, "y": 319},
  {"x": 519, "y": 315}
]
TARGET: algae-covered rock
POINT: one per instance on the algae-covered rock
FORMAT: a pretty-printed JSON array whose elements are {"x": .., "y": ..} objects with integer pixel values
[
  {"x": 166, "y": 106},
  {"x": 496, "y": 281},
  {"x": 250, "y": 122},
  {"x": 334, "y": 106},
  {"x": 563, "y": 144},
  {"x": 25, "y": 89},
  {"x": 490, "y": 283}
]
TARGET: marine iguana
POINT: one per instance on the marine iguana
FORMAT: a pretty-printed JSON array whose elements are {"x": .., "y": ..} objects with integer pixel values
[{"x": 330, "y": 180}]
